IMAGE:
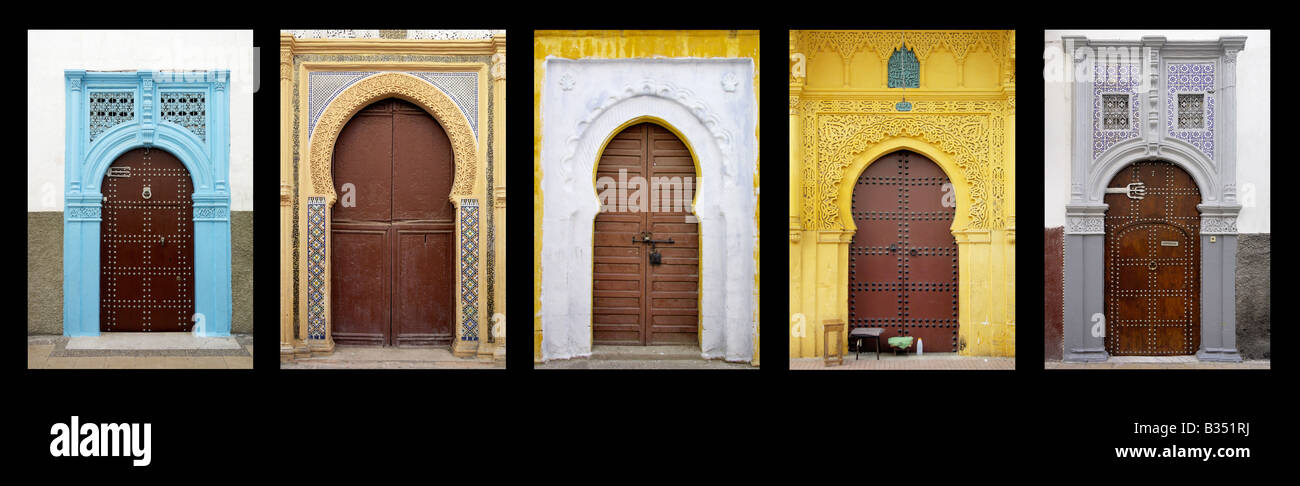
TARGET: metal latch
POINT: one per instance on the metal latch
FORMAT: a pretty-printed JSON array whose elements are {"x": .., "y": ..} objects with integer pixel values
[
  {"x": 1136, "y": 190},
  {"x": 655, "y": 257},
  {"x": 121, "y": 171}
]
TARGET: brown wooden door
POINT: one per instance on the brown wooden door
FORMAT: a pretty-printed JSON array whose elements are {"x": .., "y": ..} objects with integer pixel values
[
  {"x": 903, "y": 257},
  {"x": 146, "y": 249},
  {"x": 636, "y": 301},
  {"x": 1153, "y": 262},
  {"x": 392, "y": 229}
]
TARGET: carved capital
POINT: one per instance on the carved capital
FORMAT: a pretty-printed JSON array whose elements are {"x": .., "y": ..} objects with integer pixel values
[
  {"x": 1085, "y": 225},
  {"x": 286, "y": 65},
  {"x": 1218, "y": 225},
  {"x": 498, "y": 66}
]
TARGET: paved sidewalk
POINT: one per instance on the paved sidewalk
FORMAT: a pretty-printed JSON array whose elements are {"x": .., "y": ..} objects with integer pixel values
[
  {"x": 140, "y": 351},
  {"x": 1158, "y": 363},
  {"x": 643, "y": 358},
  {"x": 927, "y": 361},
  {"x": 379, "y": 357}
]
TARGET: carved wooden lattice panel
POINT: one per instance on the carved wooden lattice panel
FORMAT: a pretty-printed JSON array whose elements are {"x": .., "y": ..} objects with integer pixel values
[
  {"x": 147, "y": 244},
  {"x": 903, "y": 258},
  {"x": 1153, "y": 262}
]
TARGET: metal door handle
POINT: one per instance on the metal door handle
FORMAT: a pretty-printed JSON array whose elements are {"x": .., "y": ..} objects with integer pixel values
[{"x": 645, "y": 238}]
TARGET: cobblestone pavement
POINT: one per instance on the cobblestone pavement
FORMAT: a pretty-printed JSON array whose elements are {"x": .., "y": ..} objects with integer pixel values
[
  {"x": 379, "y": 357},
  {"x": 1158, "y": 363},
  {"x": 51, "y": 352},
  {"x": 643, "y": 358},
  {"x": 927, "y": 361}
]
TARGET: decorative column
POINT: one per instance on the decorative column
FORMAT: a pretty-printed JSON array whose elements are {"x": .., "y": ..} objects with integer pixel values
[
  {"x": 81, "y": 217},
  {"x": 212, "y": 295},
  {"x": 798, "y": 76},
  {"x": 497, "y": 326},
  {"x": 286, "y": 197},
  {"x": 1219, "y": 222},
  {"x": 1085, "y": 230}
]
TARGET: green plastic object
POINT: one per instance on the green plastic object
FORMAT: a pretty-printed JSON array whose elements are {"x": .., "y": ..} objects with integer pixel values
[{"x": 901, "y": 342}]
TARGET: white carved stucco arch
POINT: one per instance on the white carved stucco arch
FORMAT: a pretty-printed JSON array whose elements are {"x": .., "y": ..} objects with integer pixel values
[
  {"x": 583, "y": 103},
  {"x": 1181, "y": 154}
]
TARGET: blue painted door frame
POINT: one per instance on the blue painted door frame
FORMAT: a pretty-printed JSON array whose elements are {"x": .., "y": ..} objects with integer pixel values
[{"x": 135, "y": 118}]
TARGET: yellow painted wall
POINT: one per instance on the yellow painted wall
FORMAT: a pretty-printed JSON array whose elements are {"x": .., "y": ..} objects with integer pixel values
[
  {"x": 619, "y": 44},
  {"x": 842, "y": 118}
]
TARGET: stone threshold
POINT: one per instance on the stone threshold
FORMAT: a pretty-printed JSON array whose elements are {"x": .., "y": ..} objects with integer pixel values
[{"x": 146, "y": 344}]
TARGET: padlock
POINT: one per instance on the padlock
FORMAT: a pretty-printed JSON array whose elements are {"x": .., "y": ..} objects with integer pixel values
[{"x": 655, "y": 257}]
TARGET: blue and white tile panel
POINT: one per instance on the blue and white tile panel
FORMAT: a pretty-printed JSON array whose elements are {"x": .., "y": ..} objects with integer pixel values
[{"x": 469, "y": 217}]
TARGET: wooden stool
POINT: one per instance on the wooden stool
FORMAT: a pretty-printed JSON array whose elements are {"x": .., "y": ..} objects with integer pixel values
[{"x": 835, "y": 326}]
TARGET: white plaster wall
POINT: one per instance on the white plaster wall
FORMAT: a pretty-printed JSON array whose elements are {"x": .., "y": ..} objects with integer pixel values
[
  {"x": 711, "y": 102},
  {"x": 1253, "y": 123},
  {"x": 49, "y": 53}
]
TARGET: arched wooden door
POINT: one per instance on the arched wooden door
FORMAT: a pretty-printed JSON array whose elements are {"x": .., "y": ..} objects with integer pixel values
[
  {"x": 903, "y": 257},
  {"x": 647, "y": 261},
  {"x": 1153, "y": 261},
  {"x": 392, "y": 229},
  {"x": 146, "y": 249}
]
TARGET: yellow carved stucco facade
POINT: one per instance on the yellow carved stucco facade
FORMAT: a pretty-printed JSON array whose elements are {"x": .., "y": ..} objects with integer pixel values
[{"x": 843, "y": 117}]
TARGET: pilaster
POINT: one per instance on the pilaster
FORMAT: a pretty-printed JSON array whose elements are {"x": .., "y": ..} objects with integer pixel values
[
  {"x": 497, "y": 349},
  {"x": 286, "y": 195}
]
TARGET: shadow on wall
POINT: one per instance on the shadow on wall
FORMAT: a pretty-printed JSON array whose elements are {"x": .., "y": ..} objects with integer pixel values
[{"x": 1053, "y": 293}]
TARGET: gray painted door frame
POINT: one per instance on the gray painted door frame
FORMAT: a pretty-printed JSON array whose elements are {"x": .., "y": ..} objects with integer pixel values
[{"x": 1097, "y": 154}]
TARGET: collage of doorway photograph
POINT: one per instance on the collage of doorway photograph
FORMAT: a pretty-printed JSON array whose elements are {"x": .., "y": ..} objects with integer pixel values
[{"x": 873, "y": 229}]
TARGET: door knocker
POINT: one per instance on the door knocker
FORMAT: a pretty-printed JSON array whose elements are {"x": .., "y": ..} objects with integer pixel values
[
  {"x": 1152, "y": 266},
  {"x": 146, "y": 193}
]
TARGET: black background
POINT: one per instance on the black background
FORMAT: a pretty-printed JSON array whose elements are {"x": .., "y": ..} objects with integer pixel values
[{"x": 556, "y": 426}]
